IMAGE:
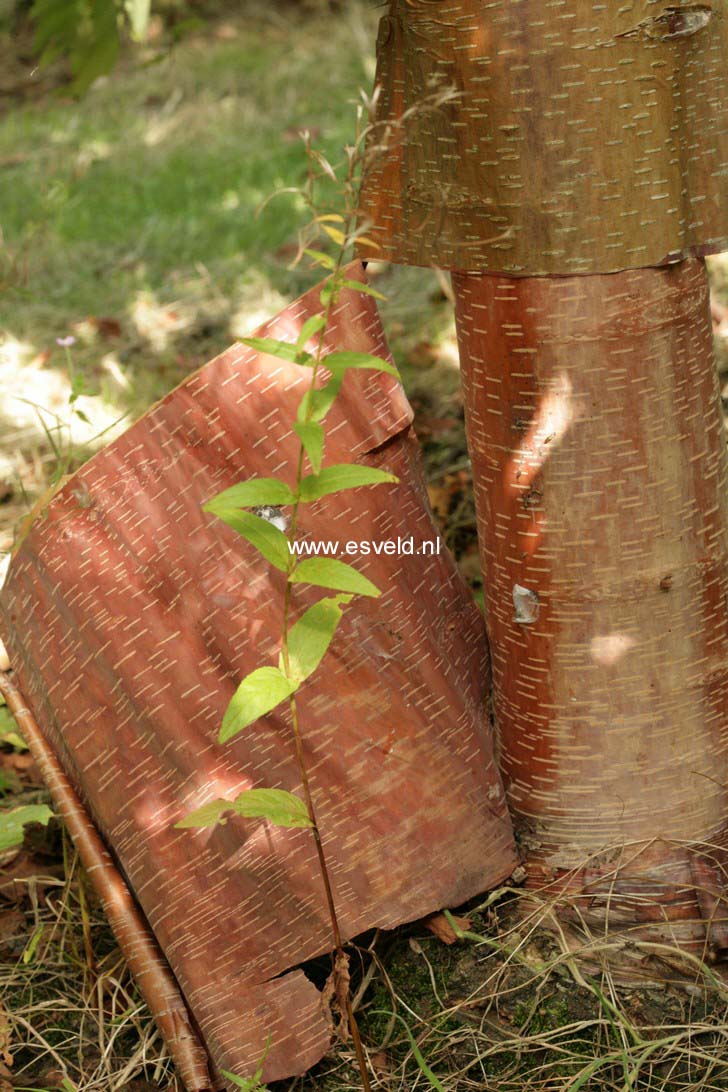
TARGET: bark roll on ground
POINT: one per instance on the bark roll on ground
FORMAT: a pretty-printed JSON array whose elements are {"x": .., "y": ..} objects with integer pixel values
[
  {"x": 600, "y": 473},
  {"x": 132, "y": 617}
]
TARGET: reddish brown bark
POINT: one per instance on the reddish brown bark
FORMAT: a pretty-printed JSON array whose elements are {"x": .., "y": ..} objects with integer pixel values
[
  {"x": 137, "y": 942},
  {"x": 131, "y": 617},
  {"x": 580, "y": 137},
  {"x": 600, "y": 474}
]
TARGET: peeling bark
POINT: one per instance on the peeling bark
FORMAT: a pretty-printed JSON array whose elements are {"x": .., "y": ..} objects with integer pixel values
[
  {"x": 585, "y": 138},
  {"x": 131, "y": 620},
  {"x": 141, "y": 951},
  {"x": 600, "y": 475}
]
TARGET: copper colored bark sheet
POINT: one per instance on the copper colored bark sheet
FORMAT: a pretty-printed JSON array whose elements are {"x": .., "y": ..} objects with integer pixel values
[
  {"x": 131, "y": 615},
  {"x": 137, "y": 942},
  {"x": 600, "y": 470},
  {"x": 585, "y": 137}
]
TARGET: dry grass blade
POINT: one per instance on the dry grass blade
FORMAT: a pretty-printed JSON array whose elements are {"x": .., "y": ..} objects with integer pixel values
[
  {"x": 521, "y": 1004},
  {"x": 72, "y": 1010}
]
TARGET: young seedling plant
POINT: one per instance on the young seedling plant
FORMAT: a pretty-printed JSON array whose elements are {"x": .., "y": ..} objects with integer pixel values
[{"x": 305, "y": 641}]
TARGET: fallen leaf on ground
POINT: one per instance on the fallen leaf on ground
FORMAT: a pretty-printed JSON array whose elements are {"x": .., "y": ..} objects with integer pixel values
[
  {"x": 23, "y": 870},
  {"x": 335, "y": 993},
  {"x": 107, "y": 327},
  {"x": 443, "y": 930},
  {"x": 23, "y": 765},
  {"x": 440, "y": 497},
  {"x": 380, "y": 1062},
  {"x": 12, "y": 922}
]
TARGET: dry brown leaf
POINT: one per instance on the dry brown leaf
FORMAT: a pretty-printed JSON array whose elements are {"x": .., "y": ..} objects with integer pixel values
[
  {"x": 439, "y": 497},
  {"x": 107, "y": 327},
  {"x": 12, "y": 922},
  {"x": 335, "y": 993},
  {"x": 442, "y": 929},
  {"x": 25, "y": 869},
  {"x": 379, "y": 1061}
]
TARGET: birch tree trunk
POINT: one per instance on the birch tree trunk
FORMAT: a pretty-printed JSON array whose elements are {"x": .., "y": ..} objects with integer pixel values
[
  {"x": 578, "y": 137},
  {"x": 521, "y": 143},
  {"x": 599, "y": 463}
]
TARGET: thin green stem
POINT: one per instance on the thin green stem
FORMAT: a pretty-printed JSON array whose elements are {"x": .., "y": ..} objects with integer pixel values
[{"x": 298, "y": 740}]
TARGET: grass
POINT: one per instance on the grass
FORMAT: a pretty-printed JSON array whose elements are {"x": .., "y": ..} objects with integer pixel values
[
  {"x": 70, "y": 1010},
  {"x": 518, "y": 1005},
  {"x": 129, "y": 219},
  {"x": 160, "y": 170},
  {"x": 512, "y": 1009}
]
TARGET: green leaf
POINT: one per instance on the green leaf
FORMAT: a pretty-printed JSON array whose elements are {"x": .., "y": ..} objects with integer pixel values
[
  {"x": 423, "y": 1066},
  {"x": 251, "y": 1084},
  {"x": 345, "y": 359},
  {"x": 95, "y": 55},
  {"x": 87, "y": 35},
  {"x": 209, "y": 815},
  {"x": 281, "y": 808},
  {"x": 9, "y": 781},
  {"x": 364, "y": 240},
  {"x": 589, "y": 1070},
  {"x": 284, "y": 350},
  {"x": 55, "y": 27},
  {"x": 33, "y": 943},
  {"x": 258, "y": 694},
  {"x": 333, "y": 233},
  {"x": 266, "y": 538},
  {"x": 311, "y": 436},
  {"x": 322, "y": 259},
  {"x": 310, "y": 327},
  {"x": 310, "y": 637},
  {"x": 360, "y": 286},
  {"x": 9, "y": 730},
  {"x": 326, "y": 572},
  {"x": 12, "y": 823},
  {"x": 332, "y": 479},
  {"x": 317, "y": 402},
  {"x": 249, "y": 494}
]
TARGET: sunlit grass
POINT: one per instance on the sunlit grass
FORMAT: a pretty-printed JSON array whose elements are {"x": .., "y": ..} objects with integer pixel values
[{"x": 163, "y": 167}]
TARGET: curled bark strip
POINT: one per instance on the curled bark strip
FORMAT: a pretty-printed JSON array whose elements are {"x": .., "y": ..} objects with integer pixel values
[
  {"x": 137, "y": 942},
  {"x": 612, "y": 703},
  {"x": 580, "y": 138},
  {"x": 131, "y": 621}
]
